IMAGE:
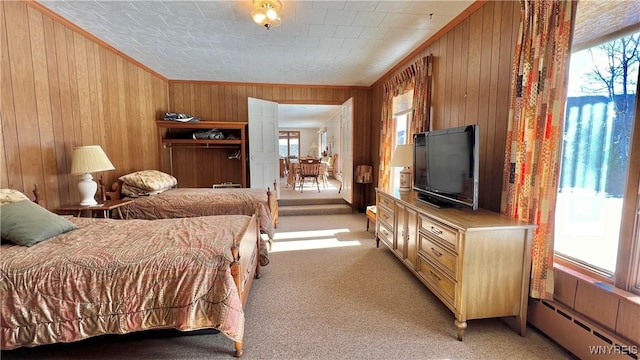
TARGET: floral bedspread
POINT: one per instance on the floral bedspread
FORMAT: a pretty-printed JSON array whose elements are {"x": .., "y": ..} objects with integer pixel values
[
  {"x": 190, "y": 202},
  {"x": 118, "y": 276}
]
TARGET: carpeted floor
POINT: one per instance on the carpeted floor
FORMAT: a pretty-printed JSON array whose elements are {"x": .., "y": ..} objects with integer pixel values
[
  {"x": 328, "y": 293},
  {"x": 310, "y": 191}
]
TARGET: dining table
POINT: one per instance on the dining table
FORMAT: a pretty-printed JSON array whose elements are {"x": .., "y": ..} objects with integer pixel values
[{"x": 294, "y": 166}]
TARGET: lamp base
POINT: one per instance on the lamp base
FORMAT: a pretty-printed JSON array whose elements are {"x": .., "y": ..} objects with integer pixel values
[
  {"x": 405, "y": 179},
  {"x": 87, "y": 188}
]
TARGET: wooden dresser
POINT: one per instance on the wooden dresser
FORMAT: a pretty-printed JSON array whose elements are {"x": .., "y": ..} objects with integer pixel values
[{"x": 476, "y": 262}]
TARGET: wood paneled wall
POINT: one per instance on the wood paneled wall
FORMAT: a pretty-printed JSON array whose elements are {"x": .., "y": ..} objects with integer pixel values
[
  {"x": 228, "y": 102},
  {"x": 472, "y": 74},
  {"x": 62, "y": 89}
]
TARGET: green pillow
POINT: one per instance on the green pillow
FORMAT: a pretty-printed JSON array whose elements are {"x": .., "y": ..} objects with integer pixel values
[{"x": 27, "y": 223}]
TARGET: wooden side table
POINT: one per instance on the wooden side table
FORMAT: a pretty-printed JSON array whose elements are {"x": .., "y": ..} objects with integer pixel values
[
  {"x": 104, "y": 207},
  {"x": 371, "y": 215}
]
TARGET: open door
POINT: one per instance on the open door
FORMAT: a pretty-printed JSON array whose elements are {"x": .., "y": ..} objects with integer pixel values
[
  {"x": 346, "y": 149},
  {"x": 263, "y": 144}
]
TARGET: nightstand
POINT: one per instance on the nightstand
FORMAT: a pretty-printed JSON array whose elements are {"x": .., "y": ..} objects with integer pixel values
[{"x": 104, "y": 207}]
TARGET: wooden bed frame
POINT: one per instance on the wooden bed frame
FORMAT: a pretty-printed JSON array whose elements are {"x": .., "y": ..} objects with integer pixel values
[
  {"x": 116, "y": 194},
  {"x": 244, "y": 268}
]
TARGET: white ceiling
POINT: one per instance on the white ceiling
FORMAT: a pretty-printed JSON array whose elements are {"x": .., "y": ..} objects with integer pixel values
[
  {"x": 352, "y": 43},
  {"x": 292, "y": 116},
  {"x": 320, "y": 42}
]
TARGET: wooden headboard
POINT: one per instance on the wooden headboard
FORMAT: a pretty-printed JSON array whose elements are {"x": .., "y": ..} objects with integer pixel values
[
  {"x": 114, "y": 194},
  {"x": 36, "y": 196}
]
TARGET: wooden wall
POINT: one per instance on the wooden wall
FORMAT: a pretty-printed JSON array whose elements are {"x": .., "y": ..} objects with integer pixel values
[
  {"x": 62, "y": 89},
  {"x": 471, "y": 72},
  {"x": 228, "y": 102}
]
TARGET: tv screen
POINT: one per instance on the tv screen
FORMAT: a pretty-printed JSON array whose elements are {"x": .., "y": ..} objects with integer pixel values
[{"x": 446, "y": 166}]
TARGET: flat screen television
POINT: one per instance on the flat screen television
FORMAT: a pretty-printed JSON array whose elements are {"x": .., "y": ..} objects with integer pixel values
[{"x": 446, "y": 166}]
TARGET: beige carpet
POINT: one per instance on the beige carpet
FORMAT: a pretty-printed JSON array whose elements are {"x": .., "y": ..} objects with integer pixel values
[
  {"x": 310, "y": 191},
  {"x": 328, "y": 293}
]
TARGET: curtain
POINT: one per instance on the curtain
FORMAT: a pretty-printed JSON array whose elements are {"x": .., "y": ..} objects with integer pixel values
[
  {"x": 534, "y": 133},
  {"x": 416, "y": 76},
  {"x": 421, "y": 97}
]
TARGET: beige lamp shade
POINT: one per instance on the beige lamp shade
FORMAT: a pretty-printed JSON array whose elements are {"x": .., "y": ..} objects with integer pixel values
[
  {"x": 89, "y": 159},
  {"x": 402, "y": 156},
  {"x": 313, "y": 150}
]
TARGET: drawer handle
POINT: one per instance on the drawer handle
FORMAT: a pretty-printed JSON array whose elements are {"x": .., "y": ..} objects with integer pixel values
[
  {"x": 385, "y": 232},
  {"x": 436, "y": 231},
  {"x": 435, "y": 276},
  {"x": 436, "y": 252}
]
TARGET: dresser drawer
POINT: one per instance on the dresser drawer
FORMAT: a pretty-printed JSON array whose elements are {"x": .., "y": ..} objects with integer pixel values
[
  {"x": 385, "y": 215},
  {"x": 443, "y": 232},
  {"x": 385, "y": 201},
  {"x": 439, "y": 255},
  {"x": 442, "y": 286},
  {"x": 385, "y": 234}
]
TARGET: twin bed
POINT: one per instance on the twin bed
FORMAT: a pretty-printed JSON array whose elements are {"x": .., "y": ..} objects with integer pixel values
[
  {"x": 173, "y": 202},
  {"x": 110, "y": 276}
]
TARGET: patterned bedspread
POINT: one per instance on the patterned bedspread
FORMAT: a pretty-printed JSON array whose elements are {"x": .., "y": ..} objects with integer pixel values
[
  {"x": 189, "y": 202},
  {"x": 117, "y": 276}
]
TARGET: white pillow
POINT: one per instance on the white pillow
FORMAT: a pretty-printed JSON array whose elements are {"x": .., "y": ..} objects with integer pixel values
[
  {"x": 149, "y": 180},
  {"x": 8, "y": 196}
]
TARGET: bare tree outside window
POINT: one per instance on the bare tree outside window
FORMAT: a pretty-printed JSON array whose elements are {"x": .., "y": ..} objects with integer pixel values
[
  {"x": 618, "y": 74},
  {"x": 615, "y": 73},
  {"x": 595, "y": 151}
]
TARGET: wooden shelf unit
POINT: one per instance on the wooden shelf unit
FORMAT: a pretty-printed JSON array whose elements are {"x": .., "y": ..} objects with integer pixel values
[
  {"x": 476, "y": 262},
  {"x": 172, "y": 135}
]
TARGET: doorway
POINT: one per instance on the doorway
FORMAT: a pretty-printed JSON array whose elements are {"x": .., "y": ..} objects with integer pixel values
[
  {"x": 264, "y": 118},
  {"x": 309, "y": 130}
]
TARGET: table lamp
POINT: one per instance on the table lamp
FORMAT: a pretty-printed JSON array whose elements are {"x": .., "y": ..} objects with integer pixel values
[
  {"x": 87, "y": 160},
  {"x": 403, "y": 157},
  {"x": 313, "y": 150}
]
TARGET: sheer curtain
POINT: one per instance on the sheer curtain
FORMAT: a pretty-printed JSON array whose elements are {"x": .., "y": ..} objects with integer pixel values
[{"x": 534, "y": 134}]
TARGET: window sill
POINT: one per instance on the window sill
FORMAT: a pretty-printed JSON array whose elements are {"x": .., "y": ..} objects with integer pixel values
[
  {"x": 580, "y": 271},
  {"x": 603, "y": 283}
]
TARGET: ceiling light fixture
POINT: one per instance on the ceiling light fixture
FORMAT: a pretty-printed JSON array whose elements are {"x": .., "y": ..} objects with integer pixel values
[{"x": 266, "y": 13}]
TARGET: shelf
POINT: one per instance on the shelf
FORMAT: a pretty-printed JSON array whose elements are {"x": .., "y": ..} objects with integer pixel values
[
  {"x": 177, "y": 146},
  {"x": 201, "y": 125},
  {"x": 201, "y": 142}
]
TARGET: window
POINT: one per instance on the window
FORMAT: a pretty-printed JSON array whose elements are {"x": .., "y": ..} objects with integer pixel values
[
  {"x": 289, "y": 144},
  {"x": 599, "y": 118},
  {"x": 402, "y": 111},
  {"x": 324, "y": 143}
]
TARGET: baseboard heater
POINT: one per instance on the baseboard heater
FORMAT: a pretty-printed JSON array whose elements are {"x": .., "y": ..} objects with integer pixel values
[{"x": 580, "y": 336}]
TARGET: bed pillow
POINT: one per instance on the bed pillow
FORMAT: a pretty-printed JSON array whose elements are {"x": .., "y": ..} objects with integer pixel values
[
  {"x": 149, "y": 180},
  {"x": 8, "y": 196},
  {"x": 27, "y": 223},
  {"x": 132, "y": 191}
]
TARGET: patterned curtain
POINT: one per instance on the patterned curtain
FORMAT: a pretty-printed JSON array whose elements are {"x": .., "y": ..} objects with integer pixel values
[
  {"x": 421, "y": 97},
  {"x": 416, "y": 76},
  {"x": 534, "y": 134}
]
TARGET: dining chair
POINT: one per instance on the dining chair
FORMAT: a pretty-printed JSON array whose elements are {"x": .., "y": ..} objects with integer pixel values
[
  {"x": 325, "y": 163},
  {"x": 309, "y": 169}
]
